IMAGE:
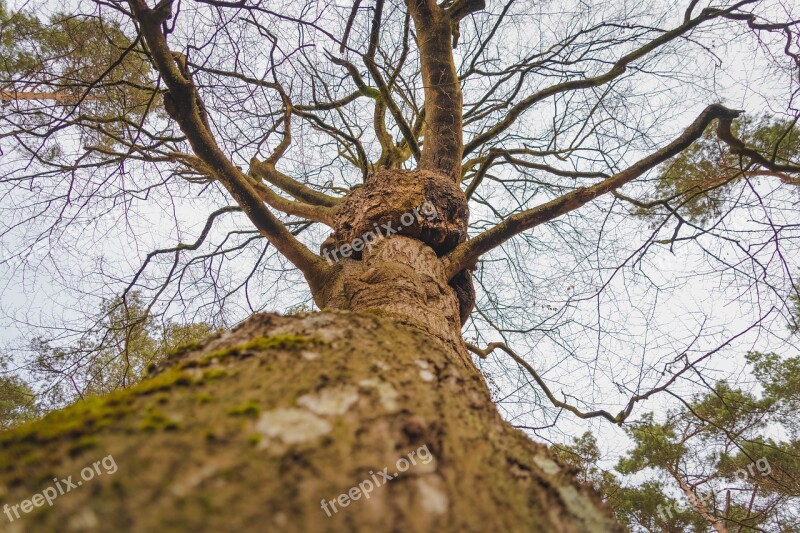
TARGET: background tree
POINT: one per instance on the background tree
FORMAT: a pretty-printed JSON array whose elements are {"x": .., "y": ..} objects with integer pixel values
[
  {"x": 642, "y": 507},
  {"x": 17, "y": 402},
  {"x": 116, "y": 353},
  {"x": 716, "y": 462},
  {"x": 700, "y": 182},
  {"x": 266, "y": 138}
]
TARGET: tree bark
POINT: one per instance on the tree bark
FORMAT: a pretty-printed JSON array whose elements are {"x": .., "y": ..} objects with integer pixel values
[
  {"x": 257, "y": 427},
  {"x": 443, "y": 144}
]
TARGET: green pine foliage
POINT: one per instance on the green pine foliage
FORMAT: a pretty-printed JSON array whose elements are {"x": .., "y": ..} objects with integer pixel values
[
  {"x": 49, "y": 66},
  {"x": 700, "y": 182}
]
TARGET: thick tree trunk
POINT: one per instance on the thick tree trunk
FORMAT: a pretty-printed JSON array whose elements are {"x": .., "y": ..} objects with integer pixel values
[
  {"x": 267, "y": 425},
  {"x": 370, "y": 417}
]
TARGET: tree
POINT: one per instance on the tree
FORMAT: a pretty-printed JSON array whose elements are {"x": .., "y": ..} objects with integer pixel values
[
  {"x": 117, "y": 353},
  {"x": 416, "y": 145},
  {"x": 125, "y": 344},
  {"x": 714, "y": 455},
  {"x": 700, "y": 179},
  {"x": 17, "y": 402},
  {"x": 643, "y": 507}
]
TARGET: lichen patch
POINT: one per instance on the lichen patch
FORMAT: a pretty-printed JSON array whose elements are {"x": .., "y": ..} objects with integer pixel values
[
  {"x": 581, "y": 507},
  {"x": 431, "y": 494},
  {"x": 387, "y": 394},
  {"x": 426, "y": 375},
  {"x": 84, "y": 520},
  {"x": 333, "y": 401},
  {"x": 309, "y": 355},
  {"x": 292, "y": 426},
  {"x": 548, "y": 465}
]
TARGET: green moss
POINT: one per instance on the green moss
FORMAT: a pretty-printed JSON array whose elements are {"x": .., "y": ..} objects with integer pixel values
[
  {"x": 203, "y": 398},
  {"x": 173, "y": 356},
  {"x": 281, "y": 342},
  {"x": 83, "y": 444},
  {"x": 92, "y": 414},
  {"x": 184, "y": 349},
  {"x": 276, "y": 342},
  {"x": 254, "y": 439},
  {"x": 250, "y": 409},
  {"x": 214, "y": 373},
  {"x": 31, "y": 459},
  {"x": 155, "y": 420},
  {"x": 162, "y": 382},
  {"x": 162, "y": 398},
  {"x": 84, "y": 417}
]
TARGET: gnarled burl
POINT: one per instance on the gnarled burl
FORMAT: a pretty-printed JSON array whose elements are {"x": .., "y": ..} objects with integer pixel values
[{"x": 409, "y": 219}]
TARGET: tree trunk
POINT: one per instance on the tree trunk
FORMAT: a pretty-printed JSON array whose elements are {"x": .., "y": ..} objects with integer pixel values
[
  {"x": 267, "y": 425},
  {"x": 698, "y": 504},
  {"x": 369, "y": 416}
]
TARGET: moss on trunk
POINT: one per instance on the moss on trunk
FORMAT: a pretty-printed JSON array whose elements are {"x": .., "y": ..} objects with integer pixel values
[{"x": 254, "y": 428}]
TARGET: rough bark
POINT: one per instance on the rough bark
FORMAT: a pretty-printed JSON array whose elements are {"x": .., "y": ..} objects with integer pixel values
[
  {"x": 254, "y": 429},
  {"x": 443, "y": 144},
  {"x": 385, "y": 249},
  {"x": 435, "y": 207}
]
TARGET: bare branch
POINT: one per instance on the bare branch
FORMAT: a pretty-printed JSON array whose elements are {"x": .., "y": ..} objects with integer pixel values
[
  {"x": 317, "y": 213},
  {"x": 383, "y": 87},
  {"x": 617, "y": 70},
  {"x": 190, "y": 115},
  {"x": 465, "y": 254},
  {"x": 618, "y": 419}
]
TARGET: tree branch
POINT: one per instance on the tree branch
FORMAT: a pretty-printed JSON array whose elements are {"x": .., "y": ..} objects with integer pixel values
[
  {"x": 467, "y": 253},
  {"x": 618, "y": 419},
  {"x": 383, "y": 87},
  {"x": 443, "y": 142},
  {"x": 187, "y": 110},
  {"x": 317, "y": 213},
  {"x": 618, "y": 69},
  {"x": 7, "y": 96},
  {"x": 180, "y": 247},
  {"x": 738, "y": 147},
  {"x": 265, "y": 171}
]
